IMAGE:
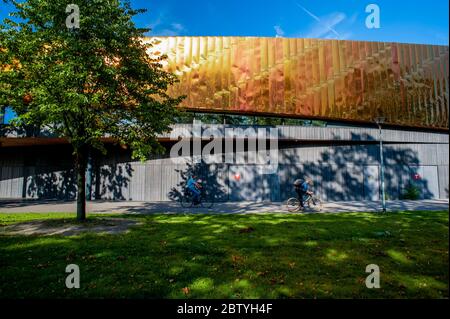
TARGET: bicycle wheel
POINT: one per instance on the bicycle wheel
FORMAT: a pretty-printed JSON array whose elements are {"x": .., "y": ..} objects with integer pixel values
[
  {"x": 315, "y": 204},
  {"x": 186, "y": 201},
  {"x": 206, "y": 201},
  {"x": 293, "y": 204}
]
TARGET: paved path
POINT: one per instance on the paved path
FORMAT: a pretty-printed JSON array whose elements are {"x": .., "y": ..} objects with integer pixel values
[{"x": 10, "y": 206}]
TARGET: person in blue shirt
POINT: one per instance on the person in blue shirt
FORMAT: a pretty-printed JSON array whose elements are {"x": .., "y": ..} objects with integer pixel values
[
  {"x": 194, "y": 186},
  {"x": 302, "y": 189}
]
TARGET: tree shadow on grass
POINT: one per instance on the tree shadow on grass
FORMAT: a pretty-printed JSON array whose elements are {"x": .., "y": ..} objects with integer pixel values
[{"x": 285, "y": 256}]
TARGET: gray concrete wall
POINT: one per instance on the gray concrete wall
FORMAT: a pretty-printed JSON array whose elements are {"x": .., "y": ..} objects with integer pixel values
[{"x": 343, "y": 162}]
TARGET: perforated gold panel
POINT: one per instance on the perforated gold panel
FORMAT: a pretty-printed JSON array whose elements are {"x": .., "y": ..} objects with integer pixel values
[{"x": 408, "y": 84}]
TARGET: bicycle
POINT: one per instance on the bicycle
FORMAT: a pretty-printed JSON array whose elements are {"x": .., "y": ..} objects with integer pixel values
[
  {"x": 187, "y": 200},
  {"x": 312, "y": 202}
]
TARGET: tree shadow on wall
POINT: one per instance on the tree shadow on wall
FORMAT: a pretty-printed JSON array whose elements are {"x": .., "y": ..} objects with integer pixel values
[
  {"x": 48, "y": 183},
  {"x": 350, "y": 171},
  {"x": 213, "y": 178},
  {"x": 109, "y": 182},
  {"x": 112, "y": 182}
]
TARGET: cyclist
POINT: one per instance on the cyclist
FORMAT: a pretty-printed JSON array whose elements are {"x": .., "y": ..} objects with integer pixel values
[
  {"x": 302, "y": 189},
  {"x": 194, "y": 186}
]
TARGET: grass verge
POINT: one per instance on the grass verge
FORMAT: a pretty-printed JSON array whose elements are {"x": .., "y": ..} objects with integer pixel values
[{"x": 234, "y": 256}]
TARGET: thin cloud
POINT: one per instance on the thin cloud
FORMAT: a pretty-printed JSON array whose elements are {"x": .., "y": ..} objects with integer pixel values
[
  {"x": 324, "y": 24},
  {"x": 161, "y": 27},
  {"x": 278, "y": 30},
  {"x": 346, "y": 36},
  {"x": 153, "y": 25},
  {"x": 324, "y": 28},
  {"x": 166, "y": 33},
  {"x": 177, "y": 26}
]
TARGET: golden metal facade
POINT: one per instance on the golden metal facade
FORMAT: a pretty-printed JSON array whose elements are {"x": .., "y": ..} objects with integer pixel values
[{"x": 408, "y": 84}]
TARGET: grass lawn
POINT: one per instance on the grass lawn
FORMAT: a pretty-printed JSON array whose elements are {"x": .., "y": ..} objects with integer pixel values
[{"x": 234, "y": 256}]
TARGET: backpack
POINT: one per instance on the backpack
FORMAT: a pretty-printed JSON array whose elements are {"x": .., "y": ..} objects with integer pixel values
[{"x": 298, "y": 182}]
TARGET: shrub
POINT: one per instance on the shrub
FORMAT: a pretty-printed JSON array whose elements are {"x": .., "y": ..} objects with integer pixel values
[{"x": 411, "y": 192}]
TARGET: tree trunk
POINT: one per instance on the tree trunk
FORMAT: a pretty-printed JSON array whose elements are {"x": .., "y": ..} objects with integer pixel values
[{"x": 81, "y": 162}]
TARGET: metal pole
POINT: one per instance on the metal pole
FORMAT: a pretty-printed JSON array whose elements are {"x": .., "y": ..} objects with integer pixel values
[{"x": 383, "y": 197}]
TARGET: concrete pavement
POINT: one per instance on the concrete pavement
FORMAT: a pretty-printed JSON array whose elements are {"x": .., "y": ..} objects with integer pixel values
[{"x": 19, "y": 205}]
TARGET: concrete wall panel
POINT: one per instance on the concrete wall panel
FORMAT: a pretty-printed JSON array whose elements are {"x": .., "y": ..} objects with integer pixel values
[
  {"x": 443, "y": 175},
  {"x": 340, "y": 171}
]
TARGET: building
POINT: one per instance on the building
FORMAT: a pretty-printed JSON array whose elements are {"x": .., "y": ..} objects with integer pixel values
[{"x": 320, "y": 97}]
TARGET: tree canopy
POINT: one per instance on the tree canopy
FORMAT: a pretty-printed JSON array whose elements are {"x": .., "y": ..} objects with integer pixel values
[{"x": 88, "y": 82}]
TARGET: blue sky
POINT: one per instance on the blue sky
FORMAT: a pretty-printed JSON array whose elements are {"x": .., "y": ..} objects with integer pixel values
[{"x": 401, "y": 21}]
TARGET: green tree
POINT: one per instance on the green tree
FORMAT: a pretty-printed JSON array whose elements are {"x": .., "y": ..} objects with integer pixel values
[{"x": 84, "y": 83}]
